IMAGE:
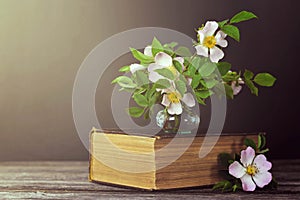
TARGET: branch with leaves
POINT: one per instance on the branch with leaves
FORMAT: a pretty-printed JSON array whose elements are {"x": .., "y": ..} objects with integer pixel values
[{"x": 176, "y": 78}]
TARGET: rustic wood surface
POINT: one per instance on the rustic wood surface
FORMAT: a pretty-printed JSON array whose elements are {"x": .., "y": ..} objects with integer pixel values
[{"x": 69, "y": 180}]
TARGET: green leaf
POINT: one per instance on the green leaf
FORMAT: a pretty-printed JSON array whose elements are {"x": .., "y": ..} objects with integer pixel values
[
  {"x": 150, "y": 91},
  {"x": 124, "y": 69},
  {"x": 165, "y": 72},
  {"x": 141, "y": 78},
  {"x": 263, "y": 151},
  {"x": 153, "y": 99},
  {"x": 177, "y": 65},
  {"x": 250, "y": 143},
  {"x": 147, "y": 114},
  {"x": 227, "y": 186},
  {"x": 124, "y": 82},
  {"x": 242, "y": 16},
  {"x": 204, "y": 93},
  {"x": 182, "y": 78},
  {"x": 195, "y": 81},
  {"x": 224, "y": 185},
  {"x": 140, "y": 99},
  {"x": 230, "y": 76},
  {"x": 222, "y": 23},
  {"x": 129, "y": 90},
  {"x": 168, "y": 51},
  {"x": 264, "y": 79},
  {"x": 196, "y": 63},
  {"x": 163, "y": 84},
  {"x": 141, "y": 57},
  {"x": 191, "y": 70},
  {"x": 223, "y": 67},
  {"x": 219, "y": 185},
  {"x": 181, "y": 87},
  {"x": 229, "y": 91},
  {"x": 207, "y": 69},
  {"x": 209, "y": 83},
  {"x": 135, "y": 111},
  {"x": 199, "y": 99},
  {"x": 141, "y": 90},
  {"x": 156, "y": 46},
  {"x": 183, "y": 51},
  {"x": 248, "y": 74},
  {"x": 171, "y": 45},
  {"x": 259, "y": 142},
  {"x": 252, "y": 87},
  {"x": 262, "y": 139},
  {"x": 236, "y": 186},
  {"x": 232, "y": 31}
]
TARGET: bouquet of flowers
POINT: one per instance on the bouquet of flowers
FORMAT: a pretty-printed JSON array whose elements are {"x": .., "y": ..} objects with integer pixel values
[{"x": 176, "y": 78}]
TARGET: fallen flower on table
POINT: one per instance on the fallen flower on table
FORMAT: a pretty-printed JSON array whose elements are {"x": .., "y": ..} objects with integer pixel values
[
  {"x": 253, "y": 171},
  {"x": 248, "y": 169}
]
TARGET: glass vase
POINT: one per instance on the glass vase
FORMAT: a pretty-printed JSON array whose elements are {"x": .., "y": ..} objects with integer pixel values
[{"x": 184, "y": 123}]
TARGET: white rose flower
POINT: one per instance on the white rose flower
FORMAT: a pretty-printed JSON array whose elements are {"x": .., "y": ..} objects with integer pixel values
[
  {"x": 172, "y": 100},
  {"x": 163, "y": 60},
  {"x": 209, "y": 41}
]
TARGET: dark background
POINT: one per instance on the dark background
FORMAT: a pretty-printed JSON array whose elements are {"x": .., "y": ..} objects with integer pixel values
[{"x": 44, "y": 42}]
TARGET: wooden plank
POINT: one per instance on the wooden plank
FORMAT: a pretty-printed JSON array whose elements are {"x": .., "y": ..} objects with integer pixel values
[
  {"x": 69, "y": 180},
  {"x": 142, "y": 195}
]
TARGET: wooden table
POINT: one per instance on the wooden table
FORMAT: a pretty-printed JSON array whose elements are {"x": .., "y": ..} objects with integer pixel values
[{"x": 68, "y": 180}]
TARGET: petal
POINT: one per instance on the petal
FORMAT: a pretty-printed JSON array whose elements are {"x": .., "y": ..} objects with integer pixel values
[
  {"x": 236, "y": 89},
  {"x": 202, "y": 50},
  {"x": 154, "y": 66},
  {"x": 247, "y": 156},
  {"x": 262, "y": 178},
  {"x": 261, "y": 163},
  {"x": 179, "y": 59},
  {"x": 216, "y": 54},
  {"x": 154, "y": 76},
  {"x": 167, "y": 90},
  {"x": 210, "y": 28},
  {"x": 136, "y": 67},
  {"x": 201, "y": 36},
  {"x": 247, "y": 183},
  {"x": 189, "y": 81},
  {"x": 175, "y": 109},
  {"x": 188, "y": 99},
  {"x": 222, "y": 43},
  {"x": 163, "y": 59},
  {"x": 240, "y": 80},
  {"x": 222, "y": 34},
  {"x": 165, "y": 101},
  {"x": 220, "y": 39},
  {"x": 237, "y": 170},
  {"x": 148, "y": 51}
]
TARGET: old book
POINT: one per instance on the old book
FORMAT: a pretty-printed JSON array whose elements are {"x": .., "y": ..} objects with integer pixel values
[{"x": 158, "y": 162}]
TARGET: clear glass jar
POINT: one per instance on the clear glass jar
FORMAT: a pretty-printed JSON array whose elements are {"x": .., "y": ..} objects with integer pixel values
[{"x": 183, "y": 123}]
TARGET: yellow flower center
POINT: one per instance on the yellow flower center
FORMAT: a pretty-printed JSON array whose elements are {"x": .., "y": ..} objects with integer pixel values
[
  {"x": 174, "y": 97},
  {"x": 209, "y": 41},
  {"x": 251, "y": 170}
]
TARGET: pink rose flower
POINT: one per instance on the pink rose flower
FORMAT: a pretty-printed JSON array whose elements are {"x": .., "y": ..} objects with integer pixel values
[{"x": 253, "y": 171}]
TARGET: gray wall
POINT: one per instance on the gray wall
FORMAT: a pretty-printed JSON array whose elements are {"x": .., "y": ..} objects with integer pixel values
[{"x": 43, "y": 42}]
